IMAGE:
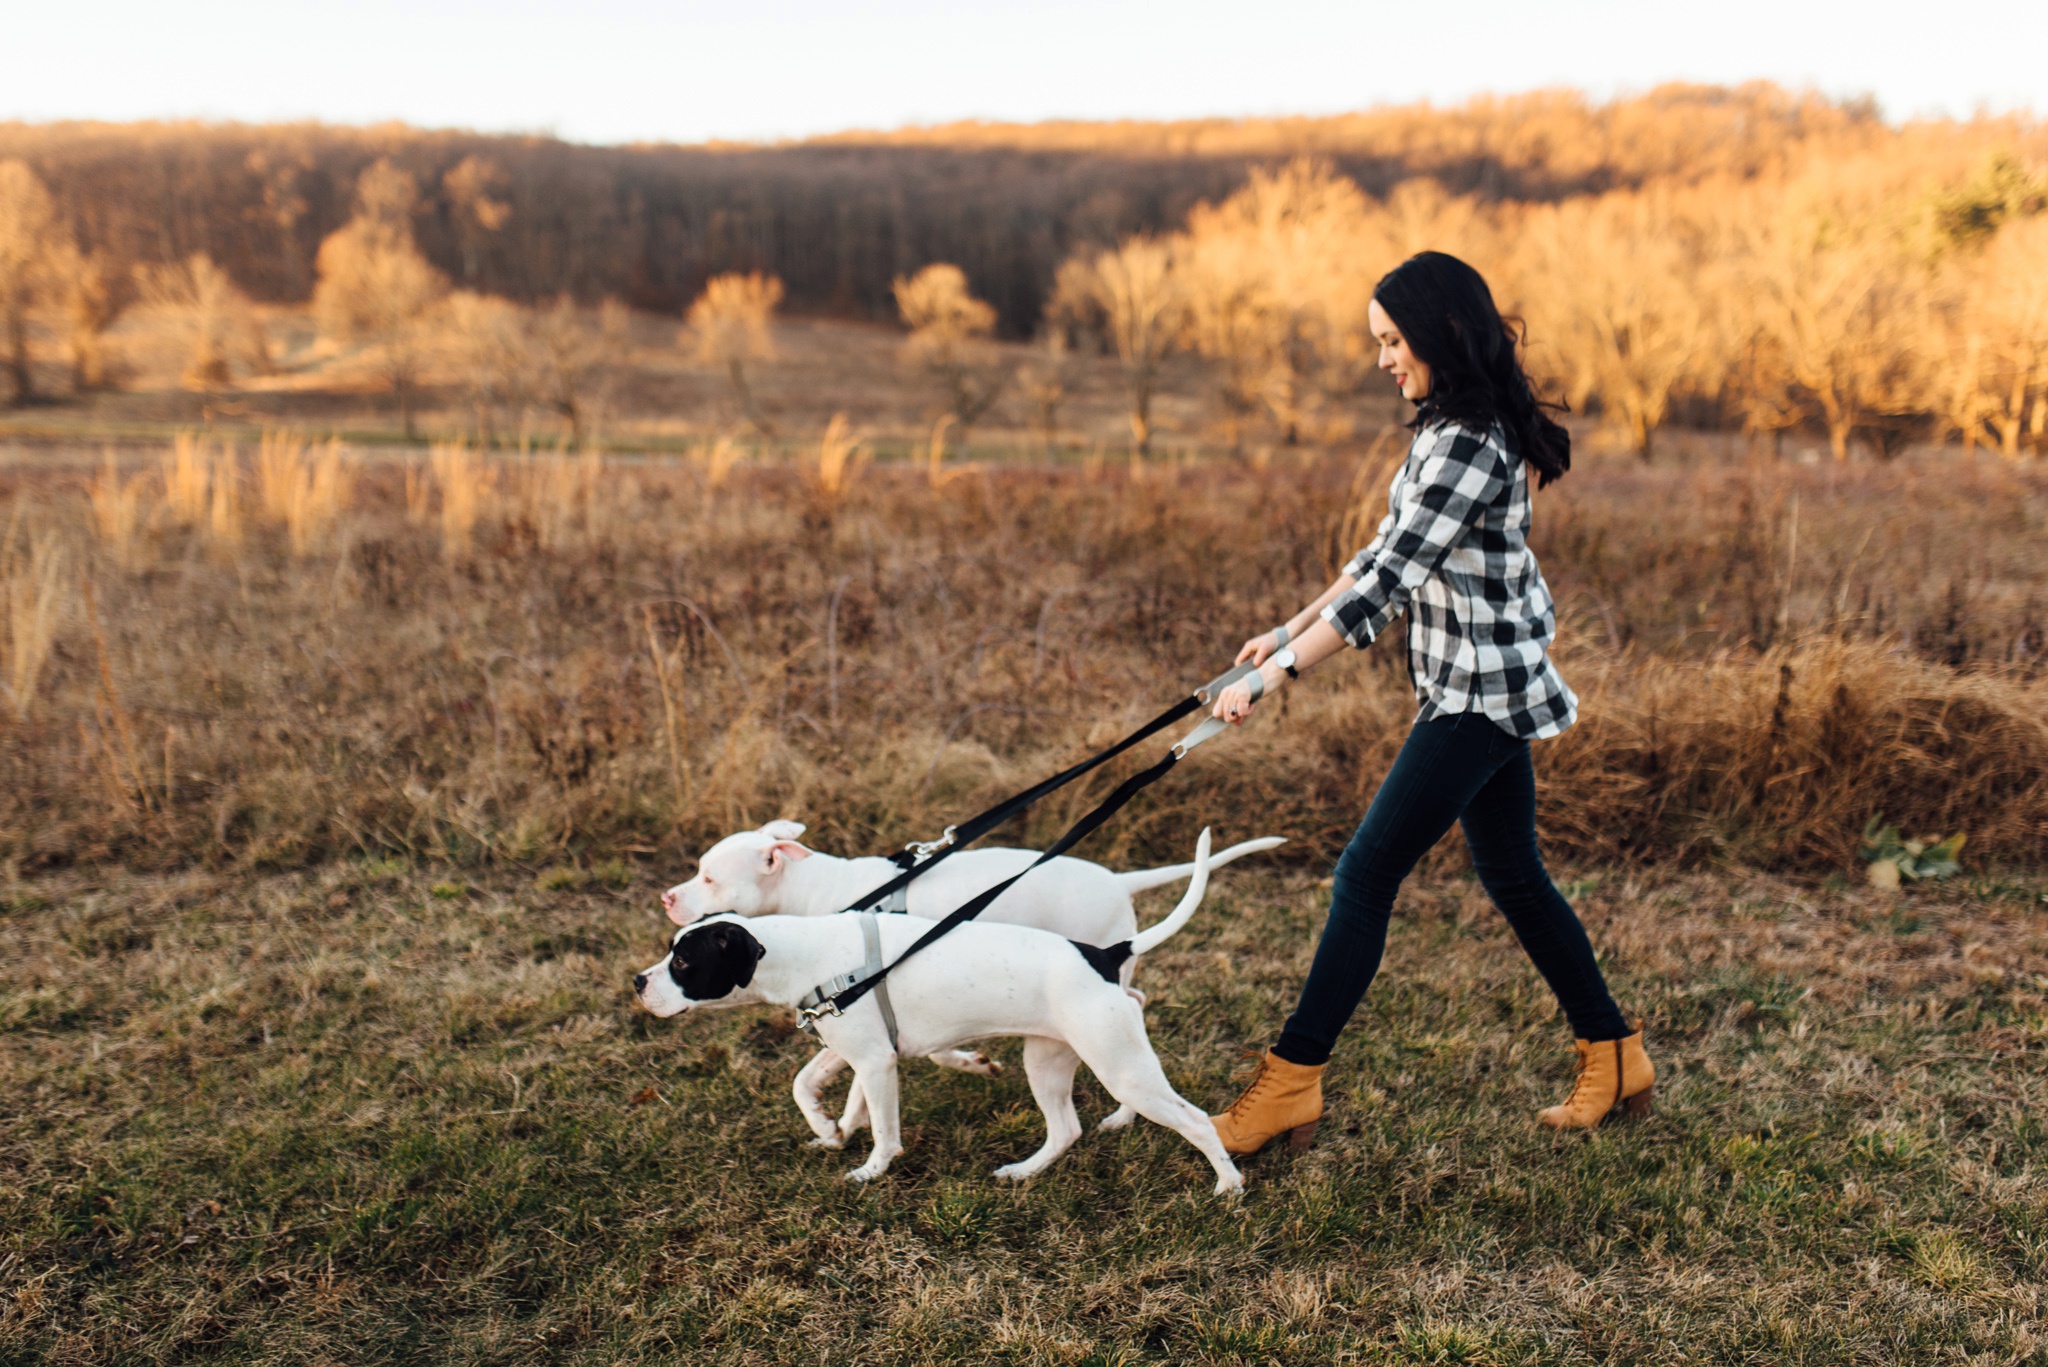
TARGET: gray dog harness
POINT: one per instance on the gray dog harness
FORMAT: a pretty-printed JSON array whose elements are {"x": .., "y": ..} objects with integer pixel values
[{"x": 816, "y": 1001}]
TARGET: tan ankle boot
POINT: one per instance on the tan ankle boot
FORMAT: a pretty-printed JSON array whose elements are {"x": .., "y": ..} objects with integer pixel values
[
  {"x": 1612, "y": 1073},
  {"x": 1284, "y": 1098}
]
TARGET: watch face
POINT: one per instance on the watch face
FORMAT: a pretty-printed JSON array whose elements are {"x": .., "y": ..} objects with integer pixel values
[{"x": 1284, "y": 657}]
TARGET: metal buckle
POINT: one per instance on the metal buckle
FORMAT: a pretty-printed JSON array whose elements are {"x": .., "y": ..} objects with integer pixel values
[
  {"x": 807, "y": 1018},
  {"x": 925, "y": 849}
]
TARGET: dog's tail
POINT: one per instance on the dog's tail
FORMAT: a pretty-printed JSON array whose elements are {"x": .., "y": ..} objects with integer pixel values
[
  {"x": 1153, "y": 938},
  {"x": 1138, "y": 880}
]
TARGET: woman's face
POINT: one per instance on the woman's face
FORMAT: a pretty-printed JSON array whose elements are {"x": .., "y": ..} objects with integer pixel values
[{"x": 1396, "y": 359}]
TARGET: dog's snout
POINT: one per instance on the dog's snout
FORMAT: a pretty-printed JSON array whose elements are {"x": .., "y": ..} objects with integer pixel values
[
  {"x": 669, "y": 900},
  {"x": 639, "y": 982}
]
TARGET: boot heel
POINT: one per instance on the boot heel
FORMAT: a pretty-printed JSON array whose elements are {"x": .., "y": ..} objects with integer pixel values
[
  {"x": 1639, "y": 1104},
  {"x": 1300, "y": 1137}
]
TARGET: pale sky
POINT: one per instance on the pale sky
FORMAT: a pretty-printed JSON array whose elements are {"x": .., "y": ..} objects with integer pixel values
[{"x": 634, "y": 70}]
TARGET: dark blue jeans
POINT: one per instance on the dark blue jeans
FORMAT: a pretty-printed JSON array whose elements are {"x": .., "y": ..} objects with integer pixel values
[{"x": 1456, "y": 768}]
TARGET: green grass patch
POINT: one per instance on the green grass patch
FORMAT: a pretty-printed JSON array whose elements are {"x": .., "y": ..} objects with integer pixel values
[{"x": 335, "y": 1117}]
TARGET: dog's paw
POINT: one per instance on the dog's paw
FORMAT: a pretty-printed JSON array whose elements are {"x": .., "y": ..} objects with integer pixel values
[
  {"x": 1118, "y": 1119},
  {"x": 866, "y": 1172},
  {"x": 829, "y": 1141},
  {"x": 1232, "y": 1185},
  {"x": 1014, "y": 1172}
]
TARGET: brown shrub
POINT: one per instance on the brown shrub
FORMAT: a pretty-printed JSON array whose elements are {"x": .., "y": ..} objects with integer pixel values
[{"x": 665, "y": 667}]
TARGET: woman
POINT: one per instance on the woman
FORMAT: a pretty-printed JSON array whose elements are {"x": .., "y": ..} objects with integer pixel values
[{"x": 1452, "y": 553}]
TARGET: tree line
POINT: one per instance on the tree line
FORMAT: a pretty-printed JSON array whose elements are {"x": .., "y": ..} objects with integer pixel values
[
  {"x": 1743, "y": 258},
  {"x": 837, "y": 219}
]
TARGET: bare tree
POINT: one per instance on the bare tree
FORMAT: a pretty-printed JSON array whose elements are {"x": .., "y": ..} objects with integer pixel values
[
  {"x": 375, "y": 287},
  {"x": 283, "y": 172},
  {"x": 218, "y": 322},
  {"x": 31, "y": 239},
  {"x": 95, "y": 292},
  {"x": 575, "y": 355},
  {"x": 1833, "y": 295},
  {"x": 729, "y": 326},
  {"x": 1615, "y": 281},
  {"x": 1275, "y": 281},
  {"x": 2007, "y": 305},
  {"x": 949, "y": 331},
  {"x": 478, "y": 215},
  {"x": 1045, "y": 380},
  {"x": 490, "y": 340},
  {"x": 1142, "y": 308}
]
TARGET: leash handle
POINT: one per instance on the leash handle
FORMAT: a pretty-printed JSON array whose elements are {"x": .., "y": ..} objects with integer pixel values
[{"x": 1207, "y": 692}]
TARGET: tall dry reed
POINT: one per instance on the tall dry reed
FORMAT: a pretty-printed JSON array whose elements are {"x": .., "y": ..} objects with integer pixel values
[
  {"x": 716, "y": 460},
  {"x": 304, "y": 491},
  {"x": 188, "y": 479},
  {"x": 467, "y": 484},
  {"x": 118, "y": 511},
  {"x": 559, "y": 495},
  {"x": 841, "y": 456},
  {"x": 34, "y": 599}
]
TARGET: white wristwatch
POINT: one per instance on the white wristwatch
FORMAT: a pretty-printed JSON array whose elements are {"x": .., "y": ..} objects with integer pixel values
[{"x": 1285, "y": 658}]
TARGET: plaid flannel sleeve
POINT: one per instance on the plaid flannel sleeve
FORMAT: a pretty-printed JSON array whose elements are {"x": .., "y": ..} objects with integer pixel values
[
  {"x": 1453, "y": 487},
  {"x": 1354, "y": 568}
]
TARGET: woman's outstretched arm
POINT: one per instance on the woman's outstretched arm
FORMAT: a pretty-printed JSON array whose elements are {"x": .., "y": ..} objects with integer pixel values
[{"x": 1259, "y": 647}]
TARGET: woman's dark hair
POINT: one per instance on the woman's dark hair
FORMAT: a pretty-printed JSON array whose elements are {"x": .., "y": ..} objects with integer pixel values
[{"x": 1451, "y": 323}]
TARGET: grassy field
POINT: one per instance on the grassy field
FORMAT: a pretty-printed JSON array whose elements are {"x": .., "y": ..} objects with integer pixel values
[
  {"x": 376, "y": 1113},
  {"x": 331, "y": 823}
]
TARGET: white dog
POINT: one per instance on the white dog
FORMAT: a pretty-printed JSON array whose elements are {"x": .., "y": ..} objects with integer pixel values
[
  {"x": 767, "y": 873},
  {"x": 980, "y": 980}
]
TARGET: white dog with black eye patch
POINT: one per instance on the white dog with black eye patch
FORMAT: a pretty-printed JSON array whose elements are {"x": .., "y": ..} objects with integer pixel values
[
  {"x": 766, "y": 872},
  {"x": 979, "y": 981}
]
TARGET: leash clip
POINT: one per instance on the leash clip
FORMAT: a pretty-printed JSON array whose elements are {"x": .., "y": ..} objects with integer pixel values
[
  {"x": 925, "y": 849},
  {"x": 807, "y": 1019}
]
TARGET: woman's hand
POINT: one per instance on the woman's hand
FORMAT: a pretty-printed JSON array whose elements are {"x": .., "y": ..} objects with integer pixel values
[
  {"x": 1235, "y": 703},
  {"x": 1257, "y": 649}
]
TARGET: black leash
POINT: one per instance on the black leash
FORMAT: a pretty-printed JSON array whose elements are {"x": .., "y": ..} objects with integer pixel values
[
  {"x": 918, "y": 859},
  {"x": 1074, "y": 834}
]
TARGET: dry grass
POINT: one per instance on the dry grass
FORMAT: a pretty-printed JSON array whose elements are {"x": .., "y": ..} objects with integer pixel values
[
  {"x": 303, "y": 492},
  {"x": 32, "y": 584},
  {"x": 118, "y": 512},
  {"x": 187, "y": 475},
  {"x": 467, "y": 483},
  {"x": 375, "y": 1113},
  {"x": 715, "y": 460},
  {"x": 665, "y": 666}
]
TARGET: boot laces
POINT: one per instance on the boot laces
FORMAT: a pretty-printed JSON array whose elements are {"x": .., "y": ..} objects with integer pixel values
[
  {"x": 1259, "y": 1081},
  {"x": 1585, "y": 1078}
]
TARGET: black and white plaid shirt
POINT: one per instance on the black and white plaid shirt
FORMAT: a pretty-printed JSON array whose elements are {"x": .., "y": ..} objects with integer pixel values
[{"x": 1453, "y": 550}]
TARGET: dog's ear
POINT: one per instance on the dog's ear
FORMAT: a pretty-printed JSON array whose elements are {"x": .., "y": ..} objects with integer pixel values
[
  {"x": 783, "y": 830},
  {"x": 781, "y": 853},
  {"x": 714, "y": 961}
]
